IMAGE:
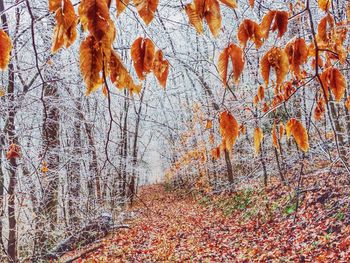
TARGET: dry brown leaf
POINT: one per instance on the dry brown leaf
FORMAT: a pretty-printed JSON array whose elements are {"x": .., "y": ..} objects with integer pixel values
[
  {"x": 146, "y": 9},
  {"x": 142, "y": 55},
  {"x": 347, "y": 103},
  {"x": 14, "y": 151},
  {"x": 161, "y": 68},
  {"x": 279, "y": 21},
  {"x": 236, "y": 54},
  {"x": 297, "y": 52},
  {"x": 258, "y": 138},
  {"x": 5, "y": 49},
  {"x": 297, "y": 130},
  {"x": 261, "y": 93},
  {"x": 277, "y": 59},
  {"x": 65, "y": 31},
  {"x": 91, "y": 63},
  {"x": 228, "y": 130},
  {"x": 229, "y": 3},
  {"x": 324, "y": 4},
  {"x": 249, "y": 30},
  {"x": 120, "y": 76},
  {"x": 121, "y": 6},
  {"x": 334, "y": 80},
  {"x": 212, "y": 15}
]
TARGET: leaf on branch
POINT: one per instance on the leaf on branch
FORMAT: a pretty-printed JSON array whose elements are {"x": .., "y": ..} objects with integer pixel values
[
  {"x": 120, "y": 76},
  {"x": 275, "y": 137},
  {"x": 277, "y": 59},
  {"x": 91, "y": 63},
  {"x": 319, "y": 109},
  {"x": 146, "y": 9},
  {"x": 258, "y": 138},
  {"x": 297, "y": 130},
  {"x": 297, "y": 52},
  {"x": 212, "y": 15},
  {"x": 324, "y": 4},
  {"x": 142, "y": 55},
  {"x": 194, "y": 17},
  {"x": 237, "y": 59},
  {"x": 249, "y": 30},
  {"x": 54, "y": 5},
  {"x": 334, "y": 80},
  {"x": 261, "y": 93},
  {"x": 251, "y": 3},
  {"x": 209, "y": 124},
  {"x": 347, "y": 103},
  {"x": 5, "y": 49},
  {"x": 65, "y": 31},
  {"x": 161, "y": 68},
  {"x": 228, "y": 130},
  {"x": 279, "y": 21},
  {"x": 94, "y": 16},
  {"x": 229, "y": 3},
  {"x": 215, "y": 153},
  {"x": 121, "y": 6},
  {"x": 14, "y": 151}
]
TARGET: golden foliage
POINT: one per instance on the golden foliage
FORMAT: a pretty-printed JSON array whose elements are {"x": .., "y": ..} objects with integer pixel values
[
  {"x": 94, "y": 16},
  {"x": 215, "y": 153},
  {"x": 65, "y": 31},
  {"x": 208, "y": 9},
  {"x": 120, "y": 76},
  {"x": 228, "y": 130},
  {"x": 279, "y": 21},
  {"x": 261, "y": 93},
  {"x": 121, "y": 5},
  {"x": 275, "y": 137},
  {"x": 258, "y": 138},
  {"x": 319, "y": 109},
  {"x": 347, "y": 103},
  {"x": 249, "y": 30},
  {"x": 209, "y": 124},
  {"x": 14, "y": 151},
  {"x": 298, "y": 131},
  {"x": 277, "y": 59},
  {"x": 161, "y": 68},
  {"x": 236, "y": 54},
  {"x": 91, "y": 63},
  {"x": 324, "y": 4},
  {"x": 146, "y": 9},
  {"x": 229, "y": 3},
  {"x": 297, "y": 52},
  {"x": 5, "y": 49},
  {"x": 334, "y": 80},
  {"x": 142, "y": 54}
]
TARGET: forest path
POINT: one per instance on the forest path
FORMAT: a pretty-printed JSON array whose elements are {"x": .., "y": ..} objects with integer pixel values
[
  {"x": 171, "y": 228},
  {"x": 247, "y": 226}
]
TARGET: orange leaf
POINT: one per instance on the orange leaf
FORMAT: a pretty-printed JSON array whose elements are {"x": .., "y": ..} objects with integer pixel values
[
  {"x": 54, "y": 5},
  {"x": 332, "y": 78},
  {"x": 194, "y": 17},
  {"x": 281, "y": 130},
  {"x": 14, "y": 151},
  {"x": 146, "y": 9},
  {"x": 121, "y": 5},
  {"x": 91, "y": 63},
  {"x": 229, "y": 3},
  {"x": 347, "y": 103},
  {"x": 319, "y": 109},
  {"x": 161, "y": 68},
  {"x": 258, "y": 138},
  {"x": 228, "y": 130},
  {"x": 142, "y": 54},
  {"x": 215, "y": 153},
  {"x": 251, "y": 3},
  {"x": 65, "y": 31},
  {"x": 120, "y": 76},
  {"x": 237, "y": 60},
  {"x": 5, "y": 49},
  {"x": 249, "y": 30},
  {"x": 212, "y": 15},
  {"x": 298, "y": 131},
  {"x": 223, "y": 65},
  {"x": 297, "y": 52},
  {"x": 324, "y": 4},
  {"x": 274, "y": 137},
  {"x": 261, "y": 93},
  {"x": 277, "y": 59},
  {"x": 209, "y": 124},
  {"x": 280, "y": 22}
]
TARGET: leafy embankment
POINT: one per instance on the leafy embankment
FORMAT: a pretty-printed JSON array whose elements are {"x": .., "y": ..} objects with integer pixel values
[{"x": 251, "y": 224}]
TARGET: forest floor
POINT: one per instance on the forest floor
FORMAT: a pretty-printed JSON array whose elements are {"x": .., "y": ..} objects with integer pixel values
[{"x": 255, "y": 224}]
